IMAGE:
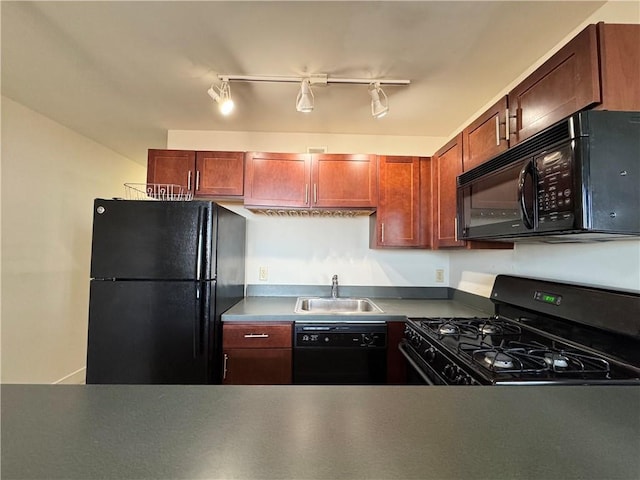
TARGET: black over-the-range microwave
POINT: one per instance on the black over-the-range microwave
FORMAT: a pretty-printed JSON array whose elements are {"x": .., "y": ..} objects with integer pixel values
[{"x": 578, "y": 180}]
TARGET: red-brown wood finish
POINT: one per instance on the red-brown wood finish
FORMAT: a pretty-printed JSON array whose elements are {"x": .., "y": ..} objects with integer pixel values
[
  {"x": 346, "y": 181},
  {"x": 219, "y": 174},
  {"x": 257, "y": 335},
  {"x": 205, "y": 174},
  {"x": 398, "y": 221},
  {"x": 619, "y": 48},
  {"x": 396, "y": 363},
  {"x": 447, "y": 165},
  {"x": 486, "y": 136},
  {"x": 598, "y": 69},
  {"x": 245, "y": 366},
  {"x": 277, "y": 179},
  {"x": 291, "y": 180},
  {"x": 171, "y": 167},
  {"x": 257, "y": 353},
  {"x": 567, "y": 82}
]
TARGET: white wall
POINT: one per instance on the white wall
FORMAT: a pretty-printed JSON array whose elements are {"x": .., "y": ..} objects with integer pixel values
[{"x": 50, "y": 176}]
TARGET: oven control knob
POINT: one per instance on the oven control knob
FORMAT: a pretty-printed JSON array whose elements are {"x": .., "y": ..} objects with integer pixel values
[
  {"x": 367, "y": 338},
  {"x": 452, "y": 372},
  {"x": 430, "y": 354}
]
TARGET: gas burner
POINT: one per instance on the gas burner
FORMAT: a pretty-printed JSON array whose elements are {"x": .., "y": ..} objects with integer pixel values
[
  {"x": 497, "y": 360},
  {"x": 489, "y": 329},
  {"x": 556, "y": 360},
  {"x": 448, "y": 329}
]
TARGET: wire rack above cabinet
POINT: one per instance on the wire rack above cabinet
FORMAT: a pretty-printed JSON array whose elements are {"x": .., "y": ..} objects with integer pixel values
[{"x": 157, "y": 191}]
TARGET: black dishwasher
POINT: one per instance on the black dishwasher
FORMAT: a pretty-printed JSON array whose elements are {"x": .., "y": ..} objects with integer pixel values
[{"x": 349, "y": 353}]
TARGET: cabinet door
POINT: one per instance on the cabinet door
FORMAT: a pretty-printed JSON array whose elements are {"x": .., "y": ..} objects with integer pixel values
[
  {"x": 567, "y": 82},
  {"x": 219, "y": 174},
  {"x": 172, "y": 166},
  {"x": 486, "y": 136},
  {"x": 257, "y": 335},
  {"x": 619, "y": 66},
  {"x": 447, "y": 165},
  {"x": 397, "y": 219},
  {"x": 344, "y": 180},
  {"x": 257, "y": 366},
  {"x": 277, "y": 179}
]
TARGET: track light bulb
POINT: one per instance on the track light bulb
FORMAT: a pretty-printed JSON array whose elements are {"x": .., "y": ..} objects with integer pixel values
[
  {"x": 222, "y": 97},
  {"x": 379, "y": 102},
  {"x": 304, "y": 100}
]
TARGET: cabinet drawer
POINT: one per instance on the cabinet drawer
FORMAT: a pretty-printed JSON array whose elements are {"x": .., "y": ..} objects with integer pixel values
[{"x": 256, "y": 335}]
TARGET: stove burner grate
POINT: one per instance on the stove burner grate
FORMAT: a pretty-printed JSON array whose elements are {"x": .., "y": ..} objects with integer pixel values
[
  {"x": 519, "y": 358},
  {"x": 471, "y": 327}
]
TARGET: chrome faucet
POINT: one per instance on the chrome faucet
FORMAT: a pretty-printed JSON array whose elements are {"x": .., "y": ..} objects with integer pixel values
[{"x": 334, "y": 286}]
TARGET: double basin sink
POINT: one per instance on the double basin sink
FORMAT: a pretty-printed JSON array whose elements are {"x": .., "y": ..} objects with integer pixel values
[{"x": 335, "y": 305}]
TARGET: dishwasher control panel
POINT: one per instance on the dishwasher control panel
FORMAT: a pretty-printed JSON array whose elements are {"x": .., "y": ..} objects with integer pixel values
[{"x": 341, "y": 335}]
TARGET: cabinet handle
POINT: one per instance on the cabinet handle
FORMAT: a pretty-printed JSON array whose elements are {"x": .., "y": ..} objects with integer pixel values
[
  {"x": 224, "y": 367},
  {"x": 455, "y": 228},
  {"x": 498, "y": 130},
  {"x": 189, "y": 181},
  {"x": 507, "y": 119},
  {"x": 382, "y": 233},
  {"x": 315, "y": 193},
  {"x": 256, "y": 335},
  {"x": 197, "y": 179},
  {"x": 306, "y": 194}
]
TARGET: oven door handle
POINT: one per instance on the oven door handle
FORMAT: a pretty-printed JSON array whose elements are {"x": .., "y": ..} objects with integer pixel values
[{"x": 412, "y": 362}]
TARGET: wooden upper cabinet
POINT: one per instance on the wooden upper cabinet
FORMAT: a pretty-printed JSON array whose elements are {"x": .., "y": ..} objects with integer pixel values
[
  {"x": 446, "y": 166},
  {"x": 172, "y": 167},
  {"x": 598, "y": 68},
  {"x": 219, "y": 174},
  {"x": 486, "y": 137},
  {"x": 291, "y": 180},
  {"x": 205, "y": 174},
  {"x": 277, "y": 179},
  {"x": 344, "y": 180},
  {"x": 401, "y": 219}
]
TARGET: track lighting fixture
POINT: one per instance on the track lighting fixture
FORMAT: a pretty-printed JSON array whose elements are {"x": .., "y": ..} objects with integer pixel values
[
  {"x": 304, "y": 100},
  {"x": 222, "y": 97},
  {"x": 379, "y": 102}
]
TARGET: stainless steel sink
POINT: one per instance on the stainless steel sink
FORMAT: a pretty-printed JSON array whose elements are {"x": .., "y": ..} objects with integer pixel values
[{"x": 335, "y": 305}]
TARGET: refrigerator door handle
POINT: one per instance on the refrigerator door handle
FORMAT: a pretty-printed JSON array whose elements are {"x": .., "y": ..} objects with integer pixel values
[
  {"x": 199, "y": 321},
  {"x": 200, "y": 244}
]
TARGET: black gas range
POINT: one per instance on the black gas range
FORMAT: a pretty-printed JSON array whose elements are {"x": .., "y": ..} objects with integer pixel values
[{"x": 542, "y": 332}]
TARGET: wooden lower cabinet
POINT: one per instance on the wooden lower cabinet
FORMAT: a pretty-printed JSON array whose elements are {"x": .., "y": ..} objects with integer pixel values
[
  {"x": 257, "y": 353},
  {"x": 396, "y": 363}
]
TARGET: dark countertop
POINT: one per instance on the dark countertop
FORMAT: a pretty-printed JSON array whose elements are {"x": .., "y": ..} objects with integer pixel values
[
  {"x": 319, "y": 432},
  {"x": 282, "y": 309}
]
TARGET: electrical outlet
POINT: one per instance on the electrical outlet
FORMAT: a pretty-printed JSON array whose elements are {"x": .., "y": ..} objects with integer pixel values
[
  {"x": 263, "y": 274},
  {"x": 439, "y": 275}
]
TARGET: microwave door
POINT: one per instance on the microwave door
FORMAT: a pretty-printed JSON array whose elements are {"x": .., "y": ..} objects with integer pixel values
[{"x": 527, "y": 195}]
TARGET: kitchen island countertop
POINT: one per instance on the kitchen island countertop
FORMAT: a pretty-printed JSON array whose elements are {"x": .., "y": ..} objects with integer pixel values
[
  {"x": 253, "y": 309},
  {"x": 319, "y": 432}
]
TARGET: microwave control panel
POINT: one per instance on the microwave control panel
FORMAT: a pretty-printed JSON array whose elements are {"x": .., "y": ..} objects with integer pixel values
[{"x": 555, "y": 187}]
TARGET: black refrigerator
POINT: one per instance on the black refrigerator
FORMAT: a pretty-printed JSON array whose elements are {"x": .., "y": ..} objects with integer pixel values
[{"x": 162, "y": 273}]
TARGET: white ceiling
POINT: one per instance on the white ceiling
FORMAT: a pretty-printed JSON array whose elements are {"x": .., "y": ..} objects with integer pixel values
[{"x": 123, "y": 73}]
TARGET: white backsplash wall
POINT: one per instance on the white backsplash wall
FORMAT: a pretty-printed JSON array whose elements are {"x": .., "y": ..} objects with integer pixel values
[
  {"x": 614, "y": 264},
  {"x": 309, "y": 251}
]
